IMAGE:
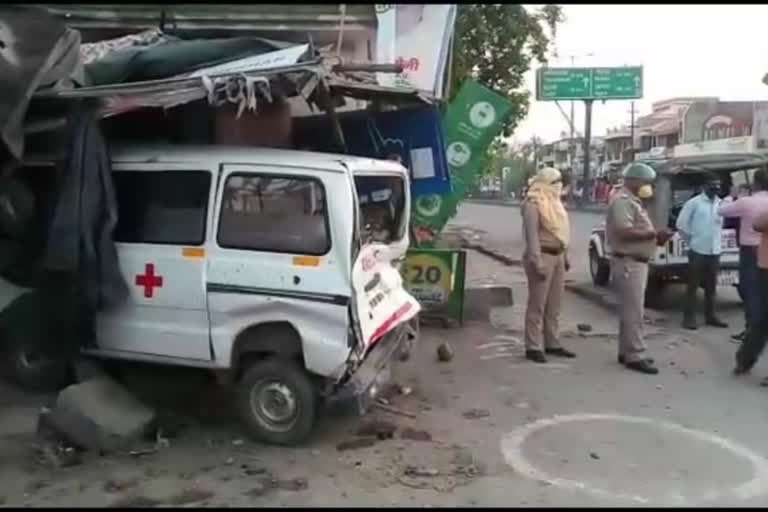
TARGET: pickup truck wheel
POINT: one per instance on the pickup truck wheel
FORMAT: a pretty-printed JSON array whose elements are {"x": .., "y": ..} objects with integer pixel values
[
  {"x": 32, "y": 368},
  {"x": 654, "y": 291},
  {"x": 599, "y": 268},
  {"x": 277, "y": 401}
]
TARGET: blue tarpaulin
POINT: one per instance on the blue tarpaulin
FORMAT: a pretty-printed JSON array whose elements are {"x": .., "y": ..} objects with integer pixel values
[{"x": 415, "y": 135}]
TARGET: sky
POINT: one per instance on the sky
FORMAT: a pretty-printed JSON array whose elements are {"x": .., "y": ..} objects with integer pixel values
[{"x": 685, "y": 50}]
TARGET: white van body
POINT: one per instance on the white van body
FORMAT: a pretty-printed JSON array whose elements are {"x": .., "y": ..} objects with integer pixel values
[{"x": 215, "y": 282}]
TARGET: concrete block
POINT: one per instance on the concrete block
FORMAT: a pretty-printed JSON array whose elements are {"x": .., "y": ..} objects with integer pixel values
[{"x": 99, "y": 414}]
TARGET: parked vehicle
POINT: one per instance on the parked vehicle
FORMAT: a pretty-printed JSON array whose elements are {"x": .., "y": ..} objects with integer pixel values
[
  {"x": 678, "y": 179},
  {"x": 275, "y": 269}
]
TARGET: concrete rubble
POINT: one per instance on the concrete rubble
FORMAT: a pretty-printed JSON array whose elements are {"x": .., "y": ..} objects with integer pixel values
[{"x": 99, "y": 414}]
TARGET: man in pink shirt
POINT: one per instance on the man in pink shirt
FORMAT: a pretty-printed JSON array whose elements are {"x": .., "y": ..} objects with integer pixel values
[
  {"x": 746, "y": 209},
  {"x": 758, "y": 332}
]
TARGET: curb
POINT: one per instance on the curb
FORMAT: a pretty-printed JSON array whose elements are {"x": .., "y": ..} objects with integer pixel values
[
  {"x": 593, "y": 295},
  {"x": 491, "y": 253},
  {"x": 512, "y": 204}
]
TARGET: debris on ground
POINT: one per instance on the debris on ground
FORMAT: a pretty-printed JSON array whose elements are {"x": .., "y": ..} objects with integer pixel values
[
  {"x": 356, "y": 444},
  {"x": 238, "y": 442},
  {"x": 188, "y": 496},
  {"x": 415, "y": 435},
  {"x": 394, "y": 410},
  {"x": 444, "y": 353},
  {"x": 115, "y": 486},
  {"x": 584, "y": 328},
  {"x": 405, "y": 390},
  {"x": 380, "y": 429},
  {"x": 421, "y": 471},
  {"x": 293, "y": 484},
  {"x": 594, "y": 455},
  {"x": 475, "y": 414},
  {"x": 99, "y": 414},
  {"x": 257, "y": 491},
  {"x": 251, "y": 470},
  {"x": 59, "y": 455},
  {"x": 135, "y": 502}
]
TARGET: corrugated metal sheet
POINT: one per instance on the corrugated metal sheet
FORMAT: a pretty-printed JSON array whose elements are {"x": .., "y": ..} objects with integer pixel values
[{"x": 232, "y": 17}]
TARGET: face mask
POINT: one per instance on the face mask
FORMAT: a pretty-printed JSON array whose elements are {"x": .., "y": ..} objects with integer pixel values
[{"x": 645, "y": 192}]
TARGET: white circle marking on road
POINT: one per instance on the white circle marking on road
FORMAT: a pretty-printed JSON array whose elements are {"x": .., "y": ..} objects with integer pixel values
[{"x": 512, "y": 443}]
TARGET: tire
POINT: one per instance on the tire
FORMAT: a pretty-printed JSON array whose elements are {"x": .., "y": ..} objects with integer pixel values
[
  {"x": 284, "y": 381},
  {"x": 31, "y": 367},
  {"x": 654, "y": 291},
  {"x": 599, "y": 268}
]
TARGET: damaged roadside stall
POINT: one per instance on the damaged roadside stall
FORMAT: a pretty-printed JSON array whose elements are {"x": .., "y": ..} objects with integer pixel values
[{"x": 208, "y": 202}]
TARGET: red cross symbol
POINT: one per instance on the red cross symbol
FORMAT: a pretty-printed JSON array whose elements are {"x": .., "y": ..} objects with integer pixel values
[{"x": 149, "y": 280}]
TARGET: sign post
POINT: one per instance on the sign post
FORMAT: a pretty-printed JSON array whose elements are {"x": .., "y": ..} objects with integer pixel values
[{"x": 589, "y": 84}]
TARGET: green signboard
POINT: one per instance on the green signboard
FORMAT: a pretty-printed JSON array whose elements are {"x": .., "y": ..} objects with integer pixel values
[
  {"x": 471, "y": 122},
  {"x": 436, "y": 278},
  {"x": 623, "y": 83}
]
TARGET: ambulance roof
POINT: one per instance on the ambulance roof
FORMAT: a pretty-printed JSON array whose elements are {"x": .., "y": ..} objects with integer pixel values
[{"x": 216, "y": 155}]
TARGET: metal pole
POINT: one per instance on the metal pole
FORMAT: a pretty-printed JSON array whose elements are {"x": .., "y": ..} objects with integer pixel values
[
  {"x": 632, "y": 132},
  {"x": 587, "y": 135},
  {"x": 571, "y": 145}
]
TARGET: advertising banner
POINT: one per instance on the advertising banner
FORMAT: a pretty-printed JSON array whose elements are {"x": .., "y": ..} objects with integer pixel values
[
  {"x": 436, "y": 278},
  {"x": 381, "y": 301},
  {"x": 471, "y": 122},
  {"x": 417, "y": 36}
]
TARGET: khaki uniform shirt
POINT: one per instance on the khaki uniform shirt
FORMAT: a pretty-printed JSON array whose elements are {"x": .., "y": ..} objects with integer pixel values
[
  {"x": 536, "y": 236},
  {"x": 627, "y": 211}
]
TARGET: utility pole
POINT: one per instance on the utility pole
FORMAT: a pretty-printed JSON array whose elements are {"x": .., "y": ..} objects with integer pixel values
[
  {"x": 587, "y": 136},
  {"x": 632, "y": 131},
  {"x": 571, "y": 145}
]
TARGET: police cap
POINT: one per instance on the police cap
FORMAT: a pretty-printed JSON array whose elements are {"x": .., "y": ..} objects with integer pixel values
[{"x": 639, "y": 171}]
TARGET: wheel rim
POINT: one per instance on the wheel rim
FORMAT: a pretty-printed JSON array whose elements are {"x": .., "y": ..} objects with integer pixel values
[
  {"x": 30, "y": 359},
  {"x": 274, "y": 405},
  {"x": 593, "y": 263}
]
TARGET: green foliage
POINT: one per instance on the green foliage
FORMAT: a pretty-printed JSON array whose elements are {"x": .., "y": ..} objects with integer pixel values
[{"x": 495, "y": 44}]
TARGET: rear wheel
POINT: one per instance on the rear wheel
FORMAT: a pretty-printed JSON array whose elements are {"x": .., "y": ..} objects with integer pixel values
[
  {"x": 277, "y": 401},
  {"x": 33, "y": 367},
  {"x": 654, "y": 291},
  {"x": 599, "y": 268}
]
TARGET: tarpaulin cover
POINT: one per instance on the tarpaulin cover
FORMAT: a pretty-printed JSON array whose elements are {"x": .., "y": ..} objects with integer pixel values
[
  {"x": 26, "y": 63},
  {"x": 414, "y": 134},
  {"x": 138, "y": 64}
]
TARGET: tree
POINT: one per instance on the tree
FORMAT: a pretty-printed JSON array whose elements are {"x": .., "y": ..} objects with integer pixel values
[{"x": 495, "y": 44}]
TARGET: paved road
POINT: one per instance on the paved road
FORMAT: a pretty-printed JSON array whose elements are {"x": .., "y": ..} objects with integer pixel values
[{"x": 504, "y": 226}]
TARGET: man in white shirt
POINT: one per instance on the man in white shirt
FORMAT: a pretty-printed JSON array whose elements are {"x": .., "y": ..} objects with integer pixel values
[{"x": 701, "y": 226}]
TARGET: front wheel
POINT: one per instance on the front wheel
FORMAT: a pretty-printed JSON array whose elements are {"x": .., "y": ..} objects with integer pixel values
[
  {"x": 599, "y": 268},
  {"x": 277, "y": 402}
]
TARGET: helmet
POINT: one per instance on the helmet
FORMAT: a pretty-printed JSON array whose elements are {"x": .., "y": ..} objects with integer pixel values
[{"x": 639, "y": 171}]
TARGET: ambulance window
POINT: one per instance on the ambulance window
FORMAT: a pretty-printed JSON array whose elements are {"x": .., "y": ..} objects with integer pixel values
[
  {"x": 274, "y": 214},
  {"x": 161, "y": 207}
]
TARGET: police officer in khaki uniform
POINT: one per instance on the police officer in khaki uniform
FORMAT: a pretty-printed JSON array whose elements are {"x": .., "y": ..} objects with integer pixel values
[{"x": 632, "y": 240}]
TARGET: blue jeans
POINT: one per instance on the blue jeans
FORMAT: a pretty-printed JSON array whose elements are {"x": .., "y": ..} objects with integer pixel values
[
  {"x": 749, "y": 284},
  {"x": 757, "y": 335}
]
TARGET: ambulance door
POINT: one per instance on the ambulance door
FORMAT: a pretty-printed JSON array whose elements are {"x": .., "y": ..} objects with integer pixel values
[{"x": 161, "y": 241}]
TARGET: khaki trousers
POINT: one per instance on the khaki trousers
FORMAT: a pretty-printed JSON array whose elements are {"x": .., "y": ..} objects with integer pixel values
[
  {"x": 542, "y": 314},
  {"x": 630, "y": 278}
]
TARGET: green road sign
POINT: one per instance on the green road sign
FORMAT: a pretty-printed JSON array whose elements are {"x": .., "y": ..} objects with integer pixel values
[{"x": 623, "y": 83}]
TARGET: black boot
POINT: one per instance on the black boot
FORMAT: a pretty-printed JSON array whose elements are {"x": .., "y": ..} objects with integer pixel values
[
  {"x": 689, "y": 322},
  {"x": 642, "y": 366},
  {"x": 560, "y": 352},
  {"x": 622, "y": 360},
  {"x": 713, "y": 321},
  {"x": 537, "y": 356}
]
